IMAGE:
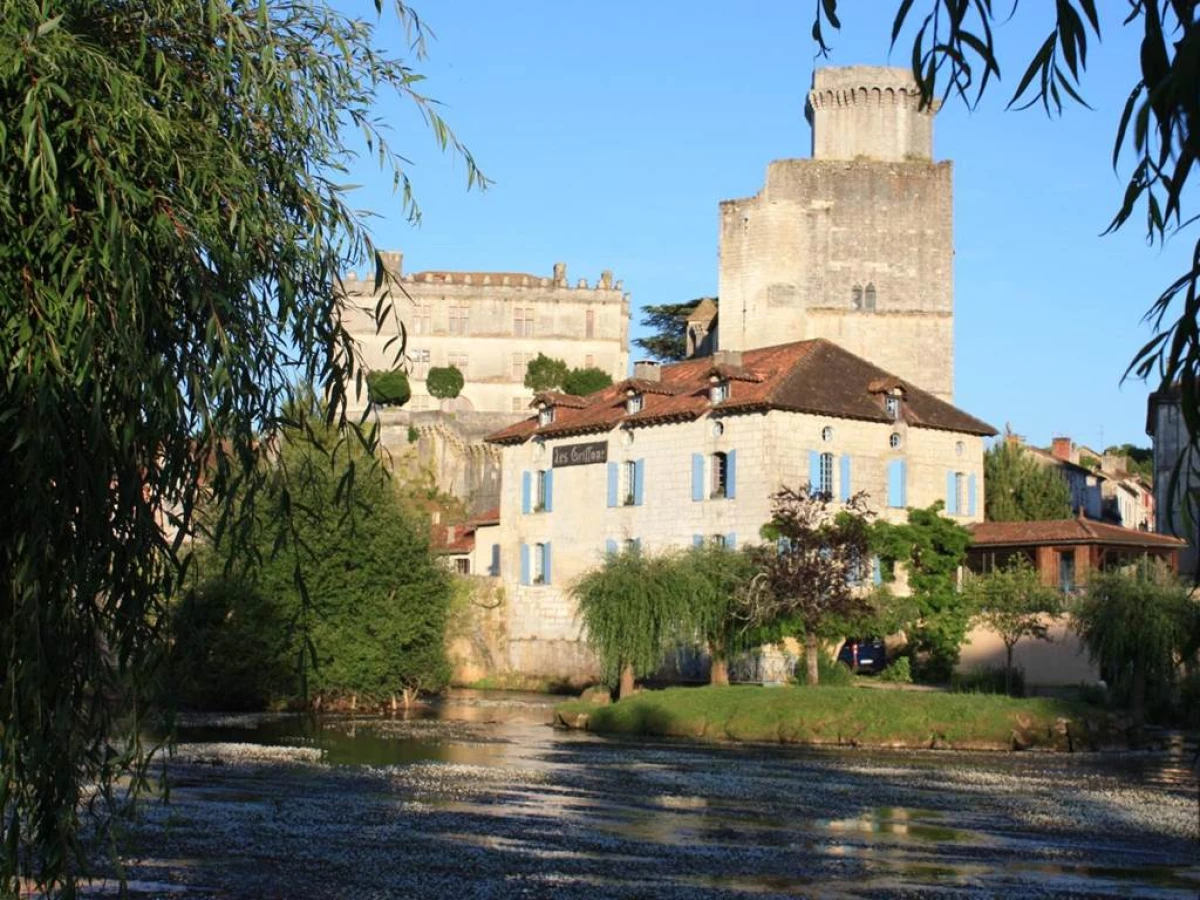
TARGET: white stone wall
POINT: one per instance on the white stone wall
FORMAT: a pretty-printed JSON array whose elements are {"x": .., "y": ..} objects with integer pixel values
[
  {"x": 559, "y": 329},
  {"x": 772, "y": 449},
  {"x": 867, "y": 111}
]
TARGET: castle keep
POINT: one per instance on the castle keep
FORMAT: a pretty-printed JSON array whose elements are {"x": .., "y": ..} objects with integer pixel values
[{"x": 854, "y": 245}]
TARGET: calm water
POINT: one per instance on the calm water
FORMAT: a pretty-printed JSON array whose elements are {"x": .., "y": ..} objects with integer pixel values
[{"x": 478, "y": 797}]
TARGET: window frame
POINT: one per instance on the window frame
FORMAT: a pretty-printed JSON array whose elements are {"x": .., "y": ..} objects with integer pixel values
[
  {"x": 627, "y": 482},
  {"x": 718, "y": 475}
]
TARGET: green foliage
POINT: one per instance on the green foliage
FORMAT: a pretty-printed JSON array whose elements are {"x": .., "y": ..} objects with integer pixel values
[
  {"x": 830, "y": 672},
  {"x": 899, "y": 671},
  {"x": 1014, "y": 603},
  {"x": 667, "y": 324},
  {"x": 544, "y": 373},
  {"x": 231, "y": 649},
  {"x": 633, "y": 607},
  {"x": 1017, "y": 489},
  {"x": 582, "y": 382},
  {"x": 413, "y": 434},
  {"x": 932, "y": 547},
  {"x": 173, "y": 221},
  {"x": 388, "y": 388},
  {"x": 1136, "y": 626},
  {"x": 714, "y": 579},
  {"x": 445, "y": 383},
  {"x": 989, "y": 680},
  {"x": 1138, "y": 460}
]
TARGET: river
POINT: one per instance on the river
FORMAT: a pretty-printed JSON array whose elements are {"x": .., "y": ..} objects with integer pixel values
[{"x": 479, "y": 797}]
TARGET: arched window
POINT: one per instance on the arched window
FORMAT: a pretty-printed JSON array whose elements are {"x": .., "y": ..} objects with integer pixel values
[
  {"x": 869, "y": 304},
  {"x": 857, "y": 297}
]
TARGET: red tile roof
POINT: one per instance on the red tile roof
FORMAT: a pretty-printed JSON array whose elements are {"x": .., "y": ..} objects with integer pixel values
[
  {"x": 816, "y": 376},
  {"x": 1068, "y": 531}
]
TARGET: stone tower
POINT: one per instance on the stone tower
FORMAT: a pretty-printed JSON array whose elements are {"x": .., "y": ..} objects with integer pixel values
[{"x": 854, "y": 245}]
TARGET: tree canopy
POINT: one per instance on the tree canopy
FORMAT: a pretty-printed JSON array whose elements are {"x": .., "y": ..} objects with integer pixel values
[
  {"x": 667, "y": 323},
  {"x": 445, "y": 383},
  {"x": 582, "y": 382},
  {"x": 174, "y": 220},
  {"x": 546, "y": 373},
  {"x": 1018, "y": 489}
]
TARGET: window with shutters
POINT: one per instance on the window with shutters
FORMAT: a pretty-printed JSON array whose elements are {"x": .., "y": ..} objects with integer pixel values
[
  {"x": 539, "y": 564},
  {"x": 458, "y": 320},
  {"x": 892, "y": 405},
  {"x": 717, "y": 540},
  {"x": 628, "y": 482},
  {"x": 719, "y": 465},
  {"x": 422, "y": 320},
  {"x": 633, "y": 404},
  {"x": 523, "y": 321},
  {"x": 546, "y": 415},
  {"x": 462, "y": 566},
  {"x": 825, "y": 475},
  {"x": 719, "y": 392},
  {"x": 960, "y": 493},
  {"x": 520, "y": 362},
  {"x": 539, "y": 504}
]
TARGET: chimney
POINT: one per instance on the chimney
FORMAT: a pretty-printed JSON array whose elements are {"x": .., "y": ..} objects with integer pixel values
[
  {"x": 731, "y": 358},
  {"x": 393, "y": 262},
  {"x": 1060, "y": 448},
  {"x": 647, "y": 370},
  {"x": 560, "y": 274}
]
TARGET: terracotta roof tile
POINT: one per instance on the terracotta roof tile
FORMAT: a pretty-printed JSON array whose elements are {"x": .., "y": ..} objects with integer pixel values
[
  {"x": 814, "y": 376},
  {"x": 1068, "y": 531}
]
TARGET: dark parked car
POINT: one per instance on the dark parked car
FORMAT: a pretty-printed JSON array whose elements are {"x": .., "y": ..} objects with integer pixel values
[{"x": 864, "y": 654}]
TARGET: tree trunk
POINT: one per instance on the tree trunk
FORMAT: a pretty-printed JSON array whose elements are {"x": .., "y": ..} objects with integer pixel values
[
  {"x": 1008, "y": 653},
  {"x": 810, "y": 656},
  {"x": 719, "y": 672},
  {"x": 625, "y": 688}
]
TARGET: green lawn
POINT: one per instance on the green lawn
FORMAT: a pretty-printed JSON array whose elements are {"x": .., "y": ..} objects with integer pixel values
[{"x": 847, "y": 715}]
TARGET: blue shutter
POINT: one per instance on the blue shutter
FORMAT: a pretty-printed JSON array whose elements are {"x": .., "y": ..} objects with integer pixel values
[
  {"x": 524, "y": 564},
  {"x": 697, "y": 476},
  {"x": 697, "y": 540},
  {"x": 614, "y": 478},
  {"x": 639, "y": 478},
  {"x": 895, "y": 481},
  {"x": 971, "y": 494},
  {"x": 610, "y": 546},
  {"x": 904, "y": 483},
  {"x": 876, "y": 571},
  {"x": 526, "y": 492},
  {"x": 951, "y": 495},
  {"x": 495, "y": 567},
  {"x": 814, "y": 471},
  {"x": 549, "y": 490},
  {"x": 845, "y": 473},
  {"x": 731, "y": 540},
  {"x": 731, "y": 474},
  {"x": 546, "y": 563}
]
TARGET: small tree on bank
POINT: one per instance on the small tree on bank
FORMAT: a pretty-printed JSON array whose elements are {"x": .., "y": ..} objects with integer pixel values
[
  {"x": 715, "y": 579},
  {"x": 1014, "y": 603},
  {"x": 814, "y": 572}
]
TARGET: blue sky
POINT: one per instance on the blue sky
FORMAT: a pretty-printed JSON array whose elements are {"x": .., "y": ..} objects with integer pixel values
[{"x": 611, "y": 132}]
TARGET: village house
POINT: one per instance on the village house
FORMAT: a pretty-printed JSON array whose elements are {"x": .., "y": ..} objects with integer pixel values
[{"x": 691, "y": 452}]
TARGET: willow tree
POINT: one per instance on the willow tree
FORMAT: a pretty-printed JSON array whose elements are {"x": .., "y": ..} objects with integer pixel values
[
  {"x": 173, "y": 234},
  {"x": 1135, "y": 625},
  {"x": 633, "y": 607}
]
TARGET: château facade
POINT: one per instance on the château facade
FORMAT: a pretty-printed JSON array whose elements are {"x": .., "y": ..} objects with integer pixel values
[{"x": 489, "y": 325}]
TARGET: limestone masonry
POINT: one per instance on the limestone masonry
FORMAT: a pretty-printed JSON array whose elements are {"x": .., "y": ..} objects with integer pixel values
[
  {"x": 854, "y": 245},
  {"x": 489, "y": 325}
]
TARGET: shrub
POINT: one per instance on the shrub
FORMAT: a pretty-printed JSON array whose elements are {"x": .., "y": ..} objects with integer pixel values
[
  {"x": 413, "y": 434},
  {"x": 987, "y": 681},
  {"x": 899, "y": 672},
  {"x": 829, "y": 672},
  {"x": 445, "y": 383},
  {"x": 582, "y": 382},
  {"x": 388, "y": 388}
]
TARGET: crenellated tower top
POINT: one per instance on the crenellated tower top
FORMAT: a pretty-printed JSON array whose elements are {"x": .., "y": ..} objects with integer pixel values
[{"x": 870, "y": 112}]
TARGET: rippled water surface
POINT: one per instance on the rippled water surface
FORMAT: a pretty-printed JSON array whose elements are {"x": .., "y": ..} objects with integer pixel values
[{"x": 479, "y": 797}]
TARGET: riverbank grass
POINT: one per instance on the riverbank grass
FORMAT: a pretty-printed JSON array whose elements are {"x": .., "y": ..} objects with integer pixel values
[{"x": 848, "y": 716}]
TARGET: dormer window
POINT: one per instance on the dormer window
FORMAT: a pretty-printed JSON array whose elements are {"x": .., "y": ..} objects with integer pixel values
[
  {"x": 719, "y": 392},
  {"x": 545, "y": 415},
  {"x": 633, "y": 404},
  {"x": 892, "y": 405}
]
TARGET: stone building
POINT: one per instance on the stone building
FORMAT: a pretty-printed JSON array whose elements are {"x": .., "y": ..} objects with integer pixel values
[
  {"x": 855, "y": 244},
  {"x": 489, "y": 325},
  {"x": 691, "y": 452},
  {"x": 1176, "y": 473}
]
